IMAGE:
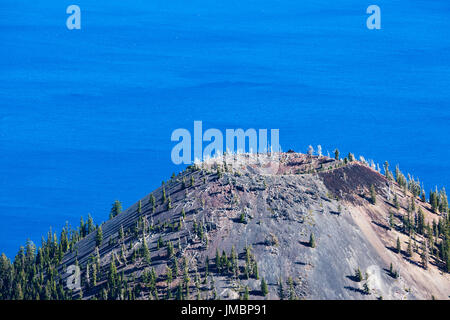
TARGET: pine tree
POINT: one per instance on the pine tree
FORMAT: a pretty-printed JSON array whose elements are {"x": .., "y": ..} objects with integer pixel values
[
  {"x": 112, "y": 279},
  {"x": 399, "y": 245},
  {"x": 421, "y": 222},
  {"x": 170, "y": 249},
  {"x": 152, "y": 199},
  {"x": 179, "y": 292},
  {"x": 391, "y": 220},
  {"x": 373, "y": 195},
  {"x": 99, "y": 236},
  {"x": 351, "y": 157},
  {"x": 280, "y": 289},
  {"x": 121, "y": 233},
  {"x": 224, "y": 261},
  {"x": 175, "y": 267},
  {"x": 394, "y": 273},
  {"x": 292, "y": 295},
  {"x": 82, "y": 228},
  {"x": 413, "y": 205},
  {"x": 234, "y": 262},
  {"x": 246, "y": 293},
  {"x": 264, "y": 289},
  {"x": 396, "y": 203},
  {"x": 358, "y": 275},
  {"x": 312, "y": 241},
  {"x": 386, "y": 170},
  {"x": 255, "y": 270},
  {"x": 424, "y": 255},
  {"x": 116, "y": 208},
  {"x": 443, "y": 201},
  {"x": 90, "y": 224},
  {"x": 218, "y": 261},
  {"x": 434, "y": 201},
  {"x": 336, "y": 154},
  {"x": 409, "y": 250},
  {"x": 94, "y": 275},
  {"x": 145, "y": 251}
]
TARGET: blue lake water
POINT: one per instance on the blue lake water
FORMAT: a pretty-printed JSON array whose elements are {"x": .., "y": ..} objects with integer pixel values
[{"x": 86, "y": 115}]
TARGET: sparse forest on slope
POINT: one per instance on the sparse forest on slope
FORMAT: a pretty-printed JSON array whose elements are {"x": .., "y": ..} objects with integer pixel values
[{"x": 308, "y": 227}]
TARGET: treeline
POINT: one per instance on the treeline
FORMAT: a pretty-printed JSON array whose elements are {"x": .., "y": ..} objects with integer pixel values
[
  {"x": 34, "y": 274},
  {"x": 436, "y": 234}
]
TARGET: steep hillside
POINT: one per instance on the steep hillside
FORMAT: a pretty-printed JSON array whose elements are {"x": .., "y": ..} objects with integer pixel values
[
  {"x": 254, "y": 222},
  {"x": 285, "y": 226}
]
